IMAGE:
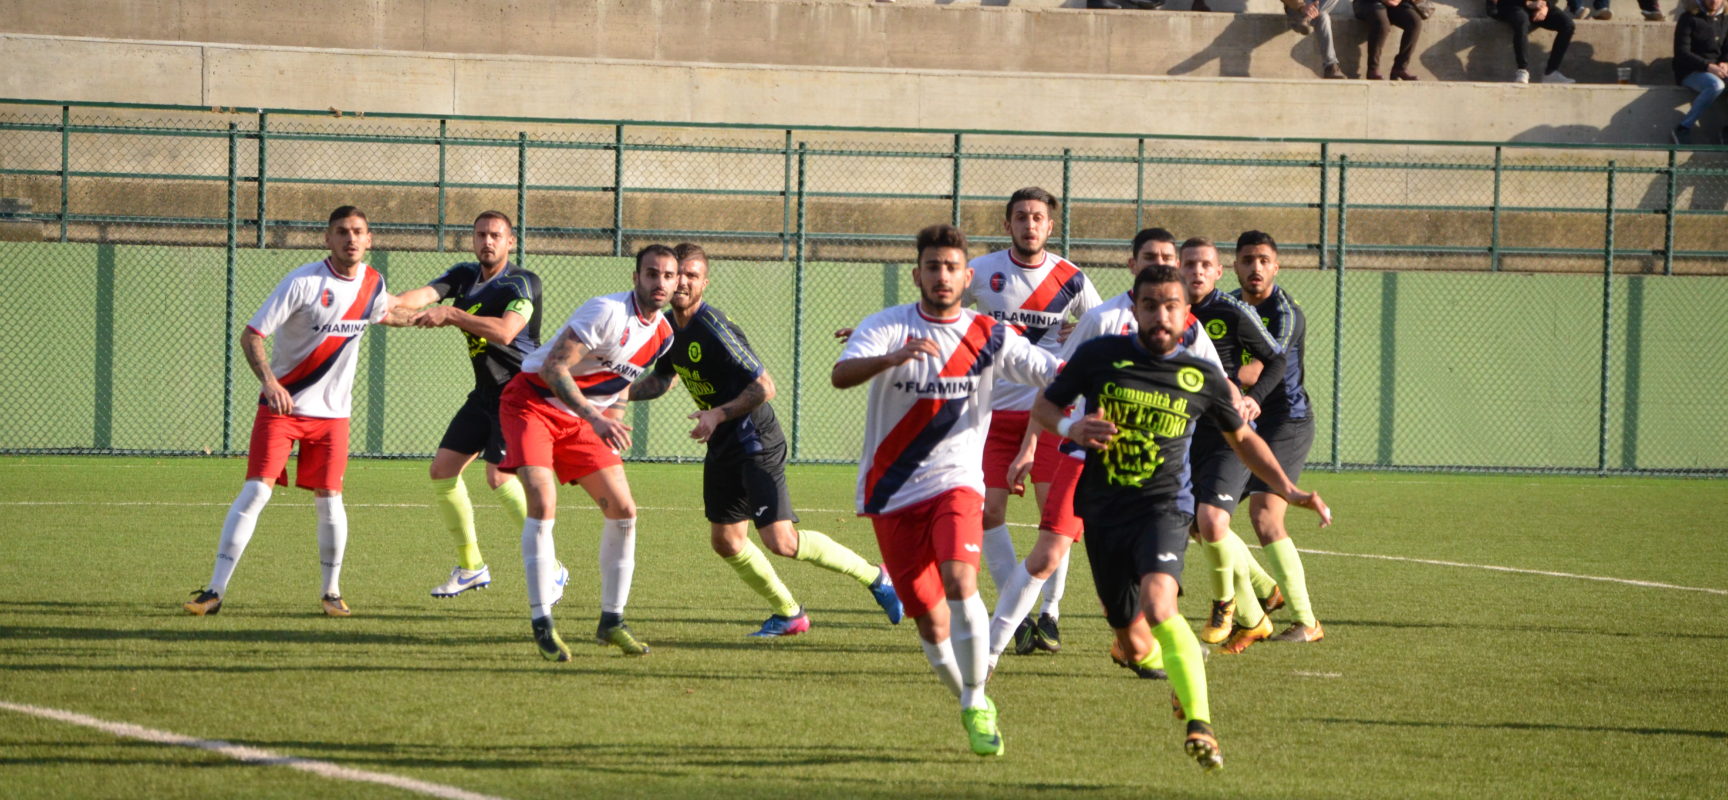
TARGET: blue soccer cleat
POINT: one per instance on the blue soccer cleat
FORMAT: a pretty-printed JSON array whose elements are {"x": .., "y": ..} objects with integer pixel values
[
  {"x": 883, "y": 590},
  {"x": 778, "y": 625}
]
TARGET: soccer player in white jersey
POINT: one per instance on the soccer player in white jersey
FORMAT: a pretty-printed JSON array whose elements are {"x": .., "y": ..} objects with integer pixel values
[
  {"x": 1037, "y": 293},
  {"x": 317, "y": 314},
  {"x": 556, "y": 430},
  {"x": 931, "y": 366}
]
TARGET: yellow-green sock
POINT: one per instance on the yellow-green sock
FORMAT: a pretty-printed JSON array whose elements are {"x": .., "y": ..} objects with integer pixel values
[
  {"x": 514, "y": 501},
  {"x": 1154, "y": 659},
  {"x": 1248, "y": 612},
  {"x": 817, "y": 548},
  {"x": 1222, "y": 578},
  {"x": 1257, "y": 575},
  {"x": 1186, "y": 665},
  {"x": 1287, "y": 567},
  {"x": 752, "y": 565},
  {"x": 451, "y": 498}
]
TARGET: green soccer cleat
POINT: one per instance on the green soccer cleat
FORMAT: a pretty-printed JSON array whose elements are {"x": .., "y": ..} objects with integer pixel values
[
  {"x": 204, "y": 603},
  {"x": 1045, "y": 636},
  {"x": 546, "y": 638},
  {"x": 620, "y": 636},
  {"x": 980, "y": 725},
  {"x": 1202, "y": 746}
]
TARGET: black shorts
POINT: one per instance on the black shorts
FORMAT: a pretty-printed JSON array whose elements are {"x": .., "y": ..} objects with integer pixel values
[
  {"x": 1220, "y": 478},
  {"x": 1290, "y": 440},
  {"x": 747, "y": 487},
  {"x": 1123, "y": 549},
  {"x": 475, "y": 429}
]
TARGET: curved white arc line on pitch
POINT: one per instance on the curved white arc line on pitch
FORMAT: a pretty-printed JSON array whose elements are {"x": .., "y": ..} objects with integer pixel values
[
  {"x": 250, "y": 755},
  {"x": 1574, "y": 575}
]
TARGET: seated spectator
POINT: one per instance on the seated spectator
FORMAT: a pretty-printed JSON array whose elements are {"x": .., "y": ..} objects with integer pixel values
[
  {"x": 1579, "y": 10},
  {"x": 1699, "y": 56},
  {"x": 1311, "y": 16},
  {"x": 1521, "y": 14},
  {"x": 1381, "y": 16}
]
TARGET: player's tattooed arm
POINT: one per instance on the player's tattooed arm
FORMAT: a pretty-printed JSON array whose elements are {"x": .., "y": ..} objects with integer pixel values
[
  {"x": 751, "y": 396},
  {"x": 566, "y": 352},
  {"x": 272, "y": 390},
  {"x": 652, "y": 385},
  {"x": 1259, "y": 459}
]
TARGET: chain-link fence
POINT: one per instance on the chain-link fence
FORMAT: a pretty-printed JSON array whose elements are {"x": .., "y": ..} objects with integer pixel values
[{"x": 1490, "y": 307}]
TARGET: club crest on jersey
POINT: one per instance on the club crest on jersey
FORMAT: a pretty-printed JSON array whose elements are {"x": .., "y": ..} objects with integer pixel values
[
  {"x": 997, "y": 281},
  {"x": 1190, "y": 379},
  {"x": 327, "y": 298},
  {"x": 1217, "y": 328},
  {"x": 695, "y": 352}
]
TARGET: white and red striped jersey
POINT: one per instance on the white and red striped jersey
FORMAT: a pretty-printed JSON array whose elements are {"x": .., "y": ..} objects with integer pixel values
[
  {"x": 317, "y": 318},
  {"x": 623, "y": 340},
  {"x": 1035, "y": 300},
  {"x": 927, "y": 418}
]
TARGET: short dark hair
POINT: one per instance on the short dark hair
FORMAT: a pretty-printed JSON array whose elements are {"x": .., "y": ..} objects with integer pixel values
[
  {"x": 688, "y": 250},
  {"x": 498, "y": 215},
  {"x": 345, "y": 212},
  {"x": 1196, "y": 241},
  {"x": 1251, "y": 238},
  {"x": 1151, "y": 235},
  {"x": 1029, "y": 193},
  {"x": 940, "y": 235},
  {"x": 654, "y": 250},
  {"x": 1155, "y": 274}
]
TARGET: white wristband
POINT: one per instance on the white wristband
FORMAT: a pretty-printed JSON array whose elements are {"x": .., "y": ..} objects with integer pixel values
[{"x": 1064, "y": 426}]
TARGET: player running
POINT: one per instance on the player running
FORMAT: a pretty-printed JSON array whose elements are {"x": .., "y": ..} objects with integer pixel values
[
  {"x": 1145, "y": 394},
  {"x": 318, "y": 314},
  {"x": 1286, "y": 423},
  {"x": 931, "y": 367},
  {"x": 744, "y": 472},
  {"x": 556, "y": 431},
  {"x": 496, "y": 305},
  {"x": 1037, "y": 293}
]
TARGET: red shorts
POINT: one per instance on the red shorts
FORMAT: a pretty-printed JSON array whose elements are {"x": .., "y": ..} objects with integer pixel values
[
  {"x": 1002, "y": 444},
  {"x": 539, "y": 434},
  {"x": 323, "y": 450},
  {"x": 914, "y": 540},
  {"x": 1062, "y": 472}
]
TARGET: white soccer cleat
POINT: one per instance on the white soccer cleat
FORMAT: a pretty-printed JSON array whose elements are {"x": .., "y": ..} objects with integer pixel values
[
  {"x": 461, "y": 580},
  {"x": 558, "y": 585}
]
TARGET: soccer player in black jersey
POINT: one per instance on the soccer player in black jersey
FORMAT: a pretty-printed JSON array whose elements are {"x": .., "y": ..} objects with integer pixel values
[
  {"x": 1286, "y": 423},
  {"x": 496, "y": 305},
  {"x": 1146, "y": 394},
  {"x": 744, "y": 475},
  {"x": 1219, "y": 476}
]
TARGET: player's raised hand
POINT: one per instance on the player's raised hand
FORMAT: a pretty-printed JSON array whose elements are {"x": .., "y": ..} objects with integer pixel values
[
  {"x": 914, "y": 348},
  {"x": 706, "y": 422},
  {"x": 1093, "y": 431},
  {"x": 615, "y": 434},
  {"x": 1312, "y": 502},
  {"x": 843, "y": 334}
]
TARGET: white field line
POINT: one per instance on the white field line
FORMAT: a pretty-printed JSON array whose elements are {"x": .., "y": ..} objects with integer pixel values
[
  {"x": 1429, "y": 561},
  {"x": 250, "y": 755},
  {"x": 1307, "y": 674}
]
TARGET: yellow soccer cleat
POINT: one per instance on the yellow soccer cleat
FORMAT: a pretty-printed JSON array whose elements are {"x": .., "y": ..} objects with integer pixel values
[
  {"x": 1202, "y": 746},
  {"x": 1242, "y": 637},
  {"x": 1218, "y": 625},
  {"x": 204, "y": 603},
  {"x": 334, "y": 606}
]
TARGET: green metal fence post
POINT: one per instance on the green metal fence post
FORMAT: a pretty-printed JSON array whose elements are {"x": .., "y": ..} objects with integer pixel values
[
  {"x": 263, "y": 174},
  {"x": 618, "y": 190},
  {"x": 1668, "y": 216},
  {"x": 786, "y": 197},
  {"x": 443, "y": 131},
  {"x": 521, "y": 196},
  {"x": 1140, "y": 186},
  {"x": 228, "y": 338},
  {"x": 1067, "y": 208},
  {"x": 1494, "y": 216},
  {"x": 954, "y": 189},
  {"x": 65, "y": 165},
  {"x": 1325, "y": 198},
  {"x": 1607, "y": 323},
  {"x": 1338, "y": 315},
  {"x": 798, "y": 310}
]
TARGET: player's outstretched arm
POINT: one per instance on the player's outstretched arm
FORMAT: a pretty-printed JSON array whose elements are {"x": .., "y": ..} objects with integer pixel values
[
  {"x": 1259, "y": 459},
  {"x": 500, "y": 330},
  {"x": 566, "y": 352},
  {"x": 854, "y": 371},
  {"x": 274, "y": 393},
  {"x": 652, "y": 385},
  {"x": 405, "y": 307}
]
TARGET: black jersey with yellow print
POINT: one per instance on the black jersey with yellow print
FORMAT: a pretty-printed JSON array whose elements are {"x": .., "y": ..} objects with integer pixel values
[
  {"x": 1154, "y": 401},
  {"x": 512, "y": 289},
  {"x": 1238, "y": 334},
  {"x": 713, "y": 360}
]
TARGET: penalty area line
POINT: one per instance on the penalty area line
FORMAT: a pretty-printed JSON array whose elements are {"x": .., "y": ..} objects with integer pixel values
[
  {"x": 1520, "y": 571},
  {"x": 249, "y": 755}
]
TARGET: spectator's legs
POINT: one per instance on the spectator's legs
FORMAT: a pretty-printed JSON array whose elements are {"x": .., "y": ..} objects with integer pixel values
[
  {"x": 1561, "y": 25},
  {"x": 1709, "y": 87},
  {"x": 1323, "y": 29},
  {"x": 1377, "y": 28},
  {"x": 1404, "y": 17},
  {"x": 1515, "y": 15}
]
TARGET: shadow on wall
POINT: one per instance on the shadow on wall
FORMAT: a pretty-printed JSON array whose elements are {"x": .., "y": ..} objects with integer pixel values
[
  {"x": 1695, "y": 192},
  {"x": 1645, "y": 120},
  {"x": 1457, "y": 54},
  {"x": 1235, "y": 47}
]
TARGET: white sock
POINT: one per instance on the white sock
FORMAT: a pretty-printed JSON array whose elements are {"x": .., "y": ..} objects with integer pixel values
[
  {"x": 332, "y": 540},
  {"x": 969, "y": 629},
  {"x": 237, "y": 531},
  {"x": 941, "y": 657},
  {"x": 1055, "y": 586},
  {"x": 1018, "y": 593},
  {"x": 999, "y": 555},
  {"x": 617, "y": 563},
  {"x": 539, "y": 565}
]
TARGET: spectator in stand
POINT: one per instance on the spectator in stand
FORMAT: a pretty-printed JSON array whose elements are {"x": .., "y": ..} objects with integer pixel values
[
  {"x": 1382, "y": 16},
  {"x": 1598, "y": 10},
  {"x": 1311, "y": 16},
  {"x": 1700, "y": 60},
  {"x": 1148, "y": 5},
  {"x": 1521, "y": 15},
  {"x": 1653, "y": 12}
]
